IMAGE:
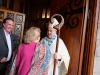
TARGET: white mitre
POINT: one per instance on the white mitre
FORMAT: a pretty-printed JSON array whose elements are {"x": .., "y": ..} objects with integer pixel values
[{"x": 55, "y": 22}]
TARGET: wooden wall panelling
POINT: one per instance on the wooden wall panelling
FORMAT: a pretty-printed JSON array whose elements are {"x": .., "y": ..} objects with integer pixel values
[
  {"x": 16, "y": 5},
  {"x": 11, "y": 4},
  {"x": 23, "y": 8},
  {"x": 55, "y": 6},
  {"x": 4, "y": 3},
  {"x": 8, "y": 2}
]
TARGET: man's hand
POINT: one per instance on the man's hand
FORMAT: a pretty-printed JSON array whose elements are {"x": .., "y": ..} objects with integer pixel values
[
  {"x": 3, "y": 60},
  {"x": 57, "y": 56}
]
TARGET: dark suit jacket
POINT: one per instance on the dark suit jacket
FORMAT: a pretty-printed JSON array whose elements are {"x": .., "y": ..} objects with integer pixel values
[{"x": 4, "y": 47}]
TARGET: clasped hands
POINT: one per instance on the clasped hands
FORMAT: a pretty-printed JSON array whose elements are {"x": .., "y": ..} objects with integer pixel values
[
  {"x": 57, "y": 56},
  {"x": 4, "y": 59}
]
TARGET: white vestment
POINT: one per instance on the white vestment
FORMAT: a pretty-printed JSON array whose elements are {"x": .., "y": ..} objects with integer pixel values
[{"x": 61, "y": 66}]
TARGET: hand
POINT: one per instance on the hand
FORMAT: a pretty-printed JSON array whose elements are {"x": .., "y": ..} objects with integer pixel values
[
  {"x": 3, "y": 60},
  {"x": 57, "y": 56}
]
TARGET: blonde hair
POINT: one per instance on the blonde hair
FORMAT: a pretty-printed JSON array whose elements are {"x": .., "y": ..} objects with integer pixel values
[{"x": 32, "y": 34}]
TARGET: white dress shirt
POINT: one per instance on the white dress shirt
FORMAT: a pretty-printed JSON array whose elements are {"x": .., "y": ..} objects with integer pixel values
[{"x": 9, "y": 45}]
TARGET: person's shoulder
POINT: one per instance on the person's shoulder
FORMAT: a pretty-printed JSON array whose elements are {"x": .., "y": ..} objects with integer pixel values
[
  {"x": 40, "y": 46},
  {"x": 1, "y": 29},
  {"x": 60, "y": 39},
  {"x": 22, "y": 44}
]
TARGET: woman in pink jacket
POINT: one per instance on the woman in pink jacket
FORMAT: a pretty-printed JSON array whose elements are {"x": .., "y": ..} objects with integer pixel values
[
  {"x": 32, "y": 57},
  {"x": 26, "y": 50}
]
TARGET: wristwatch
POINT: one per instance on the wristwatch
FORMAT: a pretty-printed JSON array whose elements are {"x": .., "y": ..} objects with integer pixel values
[{"x": 59, "y": 59}]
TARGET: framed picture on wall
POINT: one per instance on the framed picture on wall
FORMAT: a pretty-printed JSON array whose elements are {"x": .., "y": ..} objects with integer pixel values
[
  {"x": 11, "y": 15},
  {"x": 1, "y": 15},
  {"x": 19, "y": 18},
  {"x": 18, "y": 29}
]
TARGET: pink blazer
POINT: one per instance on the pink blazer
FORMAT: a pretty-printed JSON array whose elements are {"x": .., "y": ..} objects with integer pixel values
[{"x": 24, "y": 57}]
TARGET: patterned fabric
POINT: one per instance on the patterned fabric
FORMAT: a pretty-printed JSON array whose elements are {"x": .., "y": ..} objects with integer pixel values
[
  {"x": 39, "y": 65},
  {"x": 13, "y": 68},
  {"x": 61, "y": 66},
  {"x": 40, "y": 61},
  {"x": 50, "y": 41}
]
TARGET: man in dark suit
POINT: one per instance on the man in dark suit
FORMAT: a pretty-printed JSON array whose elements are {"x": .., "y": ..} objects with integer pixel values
[{"x": 6, "y": 44}]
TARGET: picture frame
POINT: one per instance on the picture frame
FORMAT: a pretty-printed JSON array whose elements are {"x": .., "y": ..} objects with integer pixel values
[
  {"x": 11, "y": 15},
  {"x": 18, "y": 29},
  {"x": 1, "y": 15},
  {"x": 19, "y": 18}
]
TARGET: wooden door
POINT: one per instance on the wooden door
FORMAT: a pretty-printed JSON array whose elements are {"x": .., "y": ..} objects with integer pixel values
[
  {"x": 78, "y": 32},
  {"x": 72, "y": 30}
]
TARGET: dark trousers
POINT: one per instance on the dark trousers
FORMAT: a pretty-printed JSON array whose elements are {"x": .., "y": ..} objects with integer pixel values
[{"x": 3, "y": 71}]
